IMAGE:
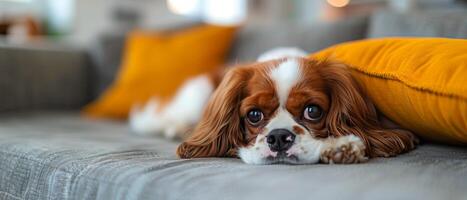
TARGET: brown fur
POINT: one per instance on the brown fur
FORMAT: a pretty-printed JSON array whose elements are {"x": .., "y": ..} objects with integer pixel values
[
  {"x": 347, "y": 109},
  {"x": 352, "y": 112},
  {"x": 297, "y": 130},
  {"x": 220, "y": 131}
]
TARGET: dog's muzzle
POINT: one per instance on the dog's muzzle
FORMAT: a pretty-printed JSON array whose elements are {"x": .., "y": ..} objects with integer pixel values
[{"x": 280, "y": 140}]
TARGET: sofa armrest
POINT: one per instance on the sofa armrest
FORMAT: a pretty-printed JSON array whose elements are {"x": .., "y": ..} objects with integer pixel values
[{"x": 42, "y": 77}]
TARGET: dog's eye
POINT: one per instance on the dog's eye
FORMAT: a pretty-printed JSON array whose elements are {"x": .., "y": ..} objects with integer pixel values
[
  {"x": 313, "y": 113},
  {"x": 254, "y": 116}
]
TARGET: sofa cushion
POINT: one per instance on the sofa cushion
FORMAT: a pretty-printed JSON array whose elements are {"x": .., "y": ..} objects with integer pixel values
[
  {"x": 106, "y": 52},
  {"x": 62, "y": 156},
  {"x": 421, "y": 23},
  {"x": 157, "y": 63},
  {"x": 417, "y": 82}
]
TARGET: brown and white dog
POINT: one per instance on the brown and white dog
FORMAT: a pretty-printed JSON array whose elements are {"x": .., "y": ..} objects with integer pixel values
[{"x": 285, "y": 108}]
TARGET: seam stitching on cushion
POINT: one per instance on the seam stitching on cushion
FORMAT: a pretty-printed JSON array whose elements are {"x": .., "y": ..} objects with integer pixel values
[{"x": 408, "y": 84}]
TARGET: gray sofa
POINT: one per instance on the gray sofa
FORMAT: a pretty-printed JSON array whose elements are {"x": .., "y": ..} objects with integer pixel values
[{"x": 48, "y": 151}]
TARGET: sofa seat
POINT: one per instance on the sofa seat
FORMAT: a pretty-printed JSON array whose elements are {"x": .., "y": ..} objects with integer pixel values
[{"x": 62, "y": 156}]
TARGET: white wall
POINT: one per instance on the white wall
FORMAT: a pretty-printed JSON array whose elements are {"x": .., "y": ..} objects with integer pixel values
[
  {"x": 91, "y": 18},
  {"x": 94, "y": 17},
  {"x": 9, "y": 8}
]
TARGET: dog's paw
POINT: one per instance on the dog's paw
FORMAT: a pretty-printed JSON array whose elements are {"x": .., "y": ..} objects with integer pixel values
[{"x": 344, "y": 150}]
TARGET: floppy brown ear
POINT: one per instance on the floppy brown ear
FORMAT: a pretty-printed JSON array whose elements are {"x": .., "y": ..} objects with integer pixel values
[
  {"x": 219, "y": 132},
  {"x": 352, "y": 112}
]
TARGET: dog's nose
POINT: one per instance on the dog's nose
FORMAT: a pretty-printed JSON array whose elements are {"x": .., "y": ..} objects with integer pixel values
[{"x": 280, "y": 140}]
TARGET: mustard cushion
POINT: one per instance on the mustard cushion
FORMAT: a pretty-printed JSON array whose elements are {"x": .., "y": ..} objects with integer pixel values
[
  {"x": 156, "y": 63},
  {"x": 420, "y": 83}
]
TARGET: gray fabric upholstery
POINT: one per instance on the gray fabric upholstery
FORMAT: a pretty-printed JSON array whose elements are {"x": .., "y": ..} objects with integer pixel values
[
  {"x": 256, "y": 39},
  {"x": 424, "y": 23},
  {"x": 62, "y": 156},
  {"x": 106, "y": 56},
  {"x": 42, "y": 78}
]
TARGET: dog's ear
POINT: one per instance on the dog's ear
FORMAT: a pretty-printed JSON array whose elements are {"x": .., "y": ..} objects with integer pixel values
[
  {"x": 219, "y": 132},
  {"x": 352, "y": 112}
]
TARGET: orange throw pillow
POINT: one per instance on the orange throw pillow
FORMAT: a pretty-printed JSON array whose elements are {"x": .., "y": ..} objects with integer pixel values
[
  {"x": 420, "y": 83},
  {"x": 156, "y": 64}
]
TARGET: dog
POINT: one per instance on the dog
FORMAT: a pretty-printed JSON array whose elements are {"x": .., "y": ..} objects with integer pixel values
[{"x": 283, "y": 108}]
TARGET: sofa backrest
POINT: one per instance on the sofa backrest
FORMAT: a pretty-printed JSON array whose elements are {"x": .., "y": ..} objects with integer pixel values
[
  {"x": 449, "y": 22},
  {"x": 43, "y": 77},
  {"x": 253, "y": 40}
]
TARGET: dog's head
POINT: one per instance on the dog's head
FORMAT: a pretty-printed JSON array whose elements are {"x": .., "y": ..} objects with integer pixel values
[{"x": 280, "y": 111}]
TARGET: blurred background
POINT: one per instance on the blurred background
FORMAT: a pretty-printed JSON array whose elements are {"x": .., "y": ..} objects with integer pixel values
[
  {"x": 82, "y": 21},
  {"x": 66, "y": 53}
]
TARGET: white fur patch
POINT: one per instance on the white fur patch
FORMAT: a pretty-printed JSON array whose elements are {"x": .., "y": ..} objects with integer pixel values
[
  {"x": 285, "y": 76},
  {"x": 256, "y": 155},
  {"x": 184, "y": 110},
  {"x": 282, "y": 120},
  {"x": 307, "y": 149},
  {"x": 281, "y": 52},
  {"x": 145, "y": 120}
]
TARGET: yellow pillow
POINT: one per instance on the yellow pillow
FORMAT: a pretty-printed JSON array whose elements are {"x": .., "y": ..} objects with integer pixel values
[
  {"x": 420, "y": 83},
  {"x": 155, "y": 64}
]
